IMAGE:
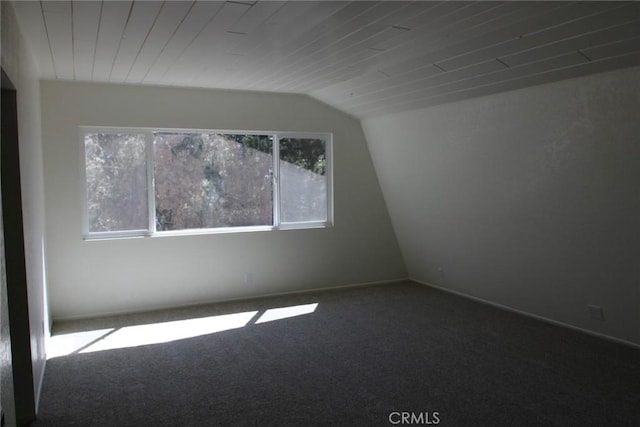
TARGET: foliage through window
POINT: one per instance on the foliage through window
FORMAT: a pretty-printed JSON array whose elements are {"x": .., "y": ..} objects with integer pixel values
[
  {"x": 303, "y": 177},
  {"x": 116, "y": 177},
  {"x": 141, "y": 182}
]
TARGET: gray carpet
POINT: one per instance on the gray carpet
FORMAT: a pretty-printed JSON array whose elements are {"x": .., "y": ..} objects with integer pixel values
[{"x": 363, "y": 354}]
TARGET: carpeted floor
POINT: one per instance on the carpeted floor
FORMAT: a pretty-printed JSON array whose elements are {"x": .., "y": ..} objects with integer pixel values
[{"x": 364, "y": 356}]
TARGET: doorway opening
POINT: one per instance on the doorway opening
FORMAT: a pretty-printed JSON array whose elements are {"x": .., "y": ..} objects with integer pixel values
[{"x": 15, "y": 307}]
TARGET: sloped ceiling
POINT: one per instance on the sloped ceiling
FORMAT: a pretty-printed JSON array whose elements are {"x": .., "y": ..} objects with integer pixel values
[{"x": 364, "y": 58}]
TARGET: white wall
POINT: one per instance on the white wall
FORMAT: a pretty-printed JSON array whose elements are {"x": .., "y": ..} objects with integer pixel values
[
  {"x": 530, "y": 198},
  {"x": 89, "y": 278},
  {"x": 21, "y": 67}
]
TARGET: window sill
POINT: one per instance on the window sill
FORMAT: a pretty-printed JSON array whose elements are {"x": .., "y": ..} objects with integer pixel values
[{"x": 204, "y": 231}]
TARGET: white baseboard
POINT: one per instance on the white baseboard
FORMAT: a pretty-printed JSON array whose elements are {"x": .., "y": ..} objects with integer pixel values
[
  {"x": 331, "y": 288},
  {"x": 531, "y": 315},
  {"x": 218, "y": 301}
]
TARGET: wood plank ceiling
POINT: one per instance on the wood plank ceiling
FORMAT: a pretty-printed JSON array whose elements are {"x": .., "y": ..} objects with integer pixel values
[{"x": 364, "y": 58}]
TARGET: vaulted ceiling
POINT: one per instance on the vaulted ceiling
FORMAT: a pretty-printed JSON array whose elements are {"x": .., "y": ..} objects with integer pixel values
[{"x": 364, "y": 58}]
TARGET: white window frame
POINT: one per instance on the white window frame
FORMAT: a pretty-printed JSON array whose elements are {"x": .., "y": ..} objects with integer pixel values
[{"x": 151, "y": 229}]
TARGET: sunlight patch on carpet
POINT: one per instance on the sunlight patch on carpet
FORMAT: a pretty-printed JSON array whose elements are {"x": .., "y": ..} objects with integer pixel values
[
  {"x": 163, "y": 332},
  {"x": 62, "y": 345},
  {"x": 285, "y": 312},
  {"x": 157, "y": 333}
]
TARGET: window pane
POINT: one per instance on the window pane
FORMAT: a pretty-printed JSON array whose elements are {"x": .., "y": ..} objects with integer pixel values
[
  {"x": 116, "y": 181},
  {"x": 303, "y": 180},
  {"x": 206, "y": 180}
]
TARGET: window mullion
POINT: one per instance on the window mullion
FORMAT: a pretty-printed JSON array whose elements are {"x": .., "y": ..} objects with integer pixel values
[
  {"x": 85, "y": 195},
  {"x": 329, "y": 175},
  {"x": 276, "y": 180},
  {"x": 151, "y": 199}
]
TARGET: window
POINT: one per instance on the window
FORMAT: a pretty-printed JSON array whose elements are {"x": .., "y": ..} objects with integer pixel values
[
  {"x": 116, "y": 177},
  {"x": 211, "y": 180},
  {"x": 303, "y": 179},
  {"x": 147, "y": 182}
]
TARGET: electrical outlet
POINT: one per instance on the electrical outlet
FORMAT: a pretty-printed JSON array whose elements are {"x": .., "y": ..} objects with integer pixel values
[{"x": 595, "y": 312}]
